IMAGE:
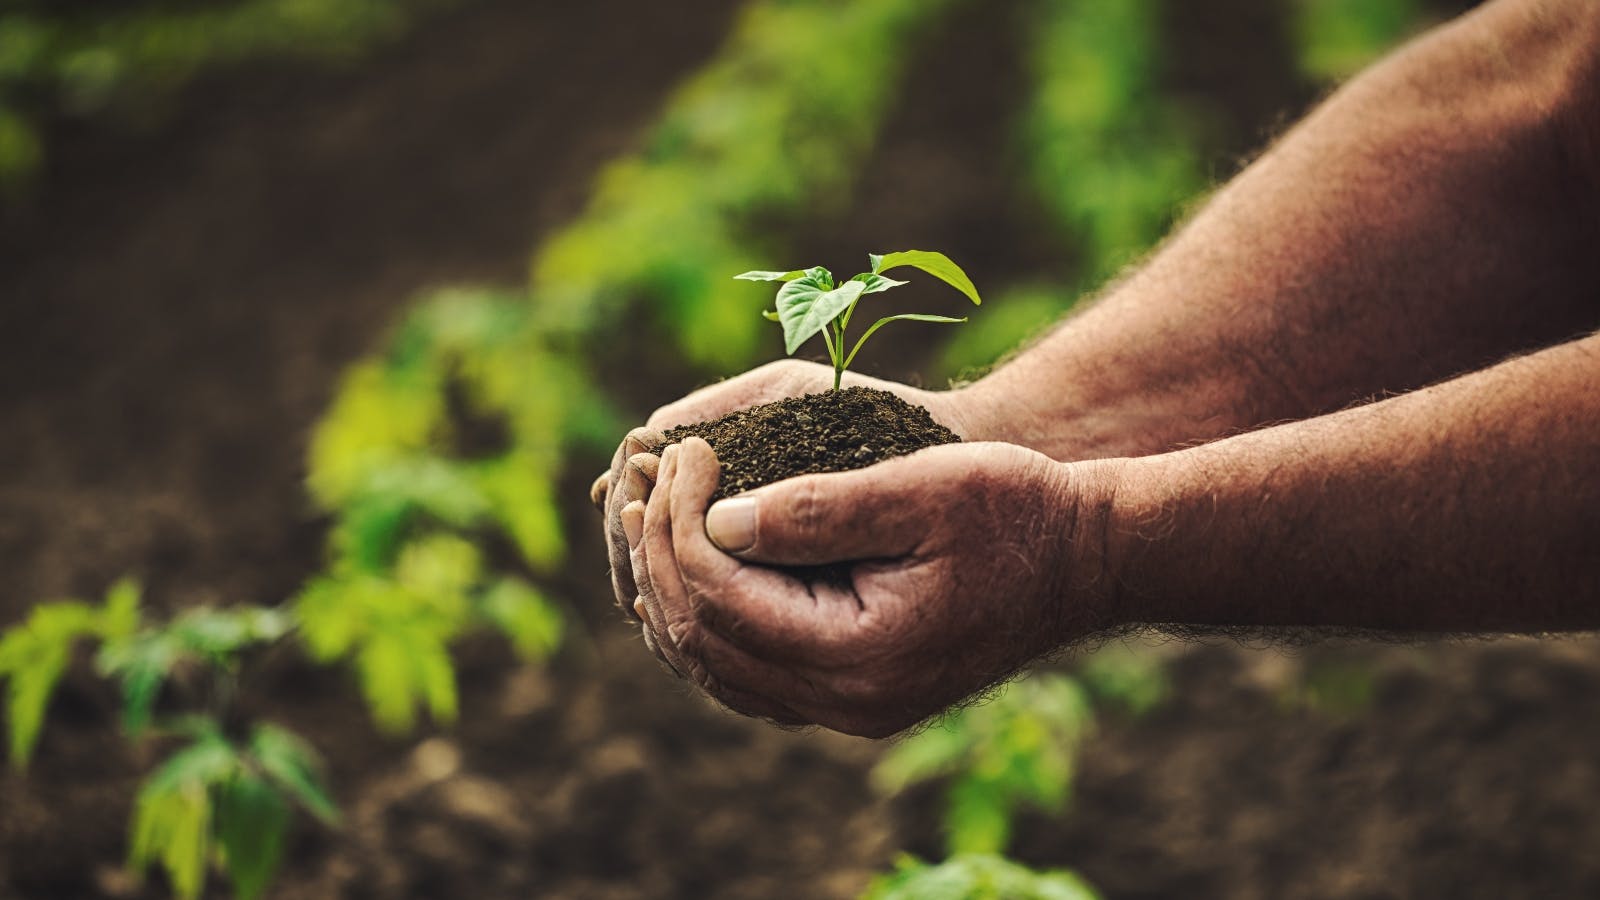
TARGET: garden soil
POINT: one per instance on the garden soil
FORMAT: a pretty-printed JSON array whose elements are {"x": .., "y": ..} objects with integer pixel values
[
  {"x": 832, "y": 431},
  {"x": 176, "y": 308}
]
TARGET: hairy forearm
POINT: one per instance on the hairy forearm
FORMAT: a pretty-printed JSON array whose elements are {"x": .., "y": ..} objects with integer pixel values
[
  {"x": 1436, "y": 214},
  {"x": 1469, "y": 506}
]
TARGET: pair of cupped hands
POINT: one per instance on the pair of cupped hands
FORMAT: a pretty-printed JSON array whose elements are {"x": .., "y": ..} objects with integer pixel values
[{"x": 962, "y": 563}]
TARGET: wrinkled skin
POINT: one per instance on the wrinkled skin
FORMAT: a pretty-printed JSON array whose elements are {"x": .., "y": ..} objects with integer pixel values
[
  {"x": 633, "y": 468},
  {"x": 1010, "y": 498},
  {"x": 961, "y": 557}
]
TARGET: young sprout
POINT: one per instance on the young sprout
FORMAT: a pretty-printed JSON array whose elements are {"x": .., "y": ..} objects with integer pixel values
[{"x": 810, "y": 303}]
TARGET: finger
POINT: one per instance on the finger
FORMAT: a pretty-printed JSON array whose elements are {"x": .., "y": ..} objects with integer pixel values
[
  {"x": 637, "y": 441},
  {"x": 645, "y": 607},
  {"x": 668, "y": 601},
  {"x": 774, "y": 614},
  {"x": 736, "y": 680},
  {"x": 599, "y": 489},
  {"x": 648, "y": 611},
  {"x": 650, "y": 643},
  {"x": 818, "y": 519},
  {"x": 632, "y": 518},
  {"x": 638, "y": 477}
]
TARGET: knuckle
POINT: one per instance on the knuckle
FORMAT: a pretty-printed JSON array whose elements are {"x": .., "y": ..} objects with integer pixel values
[
  {"x": 805, "y": 509},
  {"x": 701, "y": 676}
]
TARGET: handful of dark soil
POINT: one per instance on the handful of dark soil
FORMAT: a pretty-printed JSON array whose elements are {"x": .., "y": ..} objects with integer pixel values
[{"x": 834, "y": 431}]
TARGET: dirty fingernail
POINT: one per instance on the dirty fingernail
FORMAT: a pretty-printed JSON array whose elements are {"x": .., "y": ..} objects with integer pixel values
[
  {"x": 632, "y": 517},
  {"x": 731, "y": 524},
  {"x": 598, "y": 490},
  {"x": 648, "y": 465},
  {"x": 638, "y": 609}
]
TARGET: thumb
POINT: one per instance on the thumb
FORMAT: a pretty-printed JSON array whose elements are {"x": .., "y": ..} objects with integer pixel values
[{"x": 819, "y": 519}]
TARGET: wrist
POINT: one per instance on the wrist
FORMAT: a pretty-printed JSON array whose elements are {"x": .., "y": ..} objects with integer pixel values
[
  {"x": 1086, "y": 587},
  {"x": 1139, "y": 521}
]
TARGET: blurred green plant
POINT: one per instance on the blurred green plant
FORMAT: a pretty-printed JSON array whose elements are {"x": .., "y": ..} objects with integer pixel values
[
  {"x": 1111, "y": 159},
  {"x": 225, "y": 800},
  {"x": 82, "y": 60},
  {"x": 976, "y": 877},
  {"x": 1130, "y": 678},
  {"x": 406, "y": 574},
  {"x": 398, "y": 627},
  {"x": 35, "y": 654},
  {"x": 1018, "y": 748},
  {"x": 777, "y": 124},
  {"x": 1338, "y": 38},
  {"x": 144, "y": 658},
  {"x": 217, "y": 799}
]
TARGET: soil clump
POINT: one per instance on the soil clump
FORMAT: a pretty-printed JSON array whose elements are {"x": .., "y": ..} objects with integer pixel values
[{"x": 834, "y": 431}]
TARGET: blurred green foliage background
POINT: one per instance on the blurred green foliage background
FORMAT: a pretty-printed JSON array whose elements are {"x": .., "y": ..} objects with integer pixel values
[{"x": 766, "y": 140}]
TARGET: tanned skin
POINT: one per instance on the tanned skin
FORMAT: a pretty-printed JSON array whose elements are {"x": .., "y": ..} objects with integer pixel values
[{"x": 1360, "y": 389}]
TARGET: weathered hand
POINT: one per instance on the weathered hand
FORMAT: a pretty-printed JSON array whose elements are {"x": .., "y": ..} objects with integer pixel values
[
  {"x": 633, "y": 468},
  {"x": 951, "y": 568}
]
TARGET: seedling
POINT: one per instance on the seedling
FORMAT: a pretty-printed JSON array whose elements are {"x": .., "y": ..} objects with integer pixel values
[
  {"x": 810, "y": 303},
  {"x": 226, "y": 801},
  {"x": 1019, "y": 749}
]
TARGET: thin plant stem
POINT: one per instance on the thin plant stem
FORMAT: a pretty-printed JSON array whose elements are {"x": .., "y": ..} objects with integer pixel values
[{"x": 838, "y": 355}]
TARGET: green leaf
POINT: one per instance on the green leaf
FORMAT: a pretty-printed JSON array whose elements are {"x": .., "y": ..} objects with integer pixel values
[
  {"x": 172, "y": 815},
  {"x": 173, "y": 826},
  {"x": 120, "y": 614},
  {"x": 912, "y": 317},
  {"x": 210, "y": 760},
  {"x": 977, "y": 818},
  {"x": 927, "y": 754},
  {"x": 437, "y": 678},
  {"x": 438, "y": 564},
  {"x": 533, "y": 623},
  {"x": 769, "y": 276},
  {"x": 806, "y": 308},
  {"x": 142, "y": 661},
  {"x": 389, "y": 681},
  {"x": 877, "y": 284},
  {"x": 26, "y": 702},
  {"x": 252, "y": 820},
  {"x": 389, "y": 496},
  {"x": 33, "y": 657},
  {"x": 292, "y": 765},
  {"x": 771, "y": 315},
  {"x": 818, "y": 276},
  {"x": 219, "y": 633},
  {"x": 934, "y": 263}
]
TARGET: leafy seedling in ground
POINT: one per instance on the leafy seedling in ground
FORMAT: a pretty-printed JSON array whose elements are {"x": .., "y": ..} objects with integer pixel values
[{"x": 810, "y": 303}]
